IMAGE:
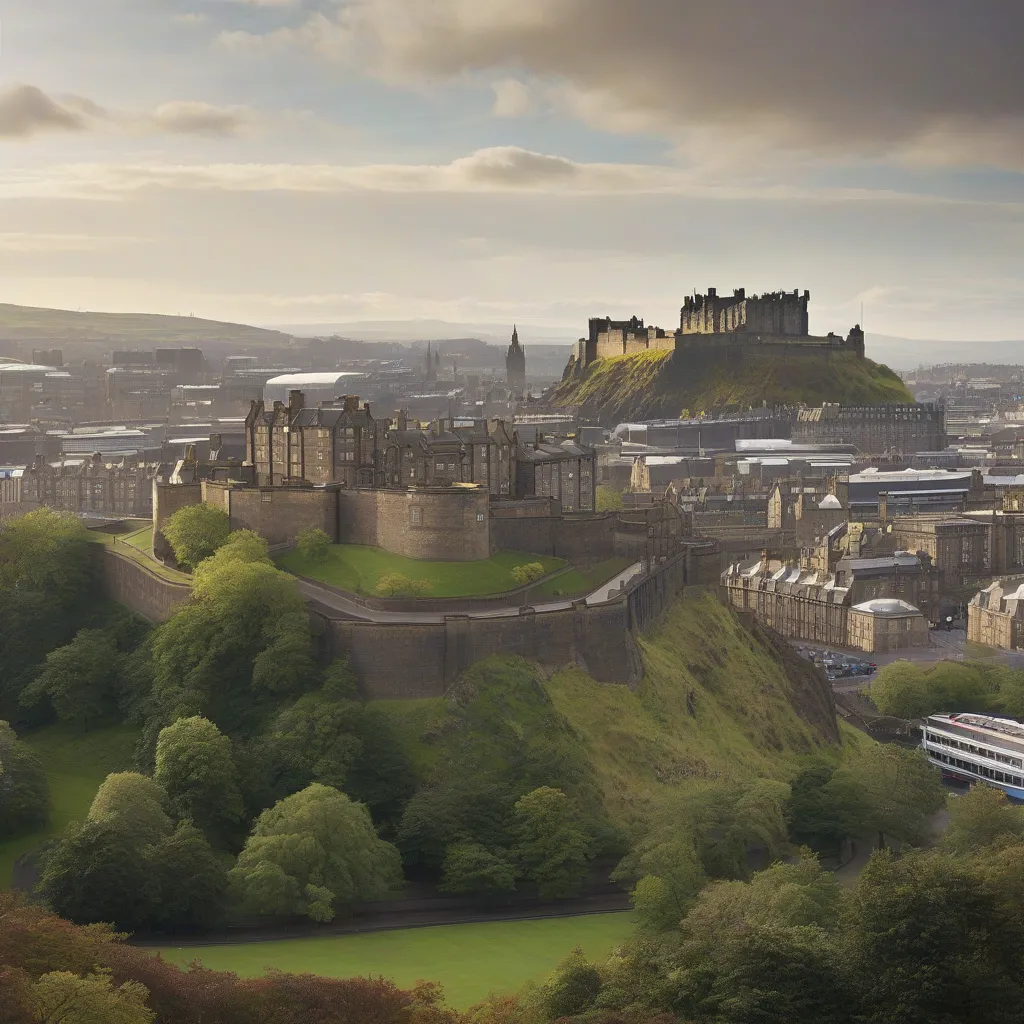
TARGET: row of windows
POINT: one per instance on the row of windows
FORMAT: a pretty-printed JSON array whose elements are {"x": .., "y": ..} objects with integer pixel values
[
  {"x": 992, "y": 755},
  {"x": 977, "y": 769}
]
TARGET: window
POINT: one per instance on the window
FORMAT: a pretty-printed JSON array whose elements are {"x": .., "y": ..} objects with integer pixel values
[
  {"x": 479, "y": 517},
  {"x": 266, "y": 497},
  {"x": 414, "y": 516},
  {"x": 451, "y": 467},
  {"x": 439, "y": 466}
]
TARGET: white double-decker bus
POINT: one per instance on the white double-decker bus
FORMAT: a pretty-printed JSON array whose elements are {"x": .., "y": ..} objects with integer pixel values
[{"x": 977, "y": 748}]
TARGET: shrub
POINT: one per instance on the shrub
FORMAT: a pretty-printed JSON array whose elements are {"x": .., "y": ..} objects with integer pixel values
[
  {"x": 394, "y": 584},
  {"x": 313, "y": 544},
  {"x": 529, "y": 573}
]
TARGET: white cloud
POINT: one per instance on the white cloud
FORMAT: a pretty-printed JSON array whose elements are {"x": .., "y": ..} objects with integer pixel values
[
  {"x": 512, "y": 98},
  {"x": 497, "y": 170},
  {"x": 196, "y": 118},
  {"x": 27, "y": 111}
]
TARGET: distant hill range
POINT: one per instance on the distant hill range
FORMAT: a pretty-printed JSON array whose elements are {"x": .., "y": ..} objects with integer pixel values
[
  {"x": 910, "y": 353},
  {"x": 132, "y": 330},
  {"x": 431, "y": 330}
]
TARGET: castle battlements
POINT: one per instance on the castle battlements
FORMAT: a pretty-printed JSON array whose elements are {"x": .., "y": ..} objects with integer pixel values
[{"x": 713, "y": 326}]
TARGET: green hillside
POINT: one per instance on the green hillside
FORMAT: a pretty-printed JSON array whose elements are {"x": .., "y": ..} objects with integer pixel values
[
  {"x": 650, "y": 385},
  {"x": 756, "y": 708},
  {"x": 62, "y": 326}
]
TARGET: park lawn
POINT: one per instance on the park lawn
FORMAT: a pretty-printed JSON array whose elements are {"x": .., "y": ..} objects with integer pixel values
[
  {"x": 76, "y": 763},
  {"x": 358, "y": 569},
  {"x": 578, "y": 582},
  {"x": 470, "y": 961}
]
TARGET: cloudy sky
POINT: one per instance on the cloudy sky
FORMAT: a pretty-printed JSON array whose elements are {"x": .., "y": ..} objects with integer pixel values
[{"x": 288, "y": 161}]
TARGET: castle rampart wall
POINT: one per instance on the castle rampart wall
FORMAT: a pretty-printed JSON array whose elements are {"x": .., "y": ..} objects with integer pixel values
[
  {"x": 140, "y": 589},
  {"x": 278, "y": 514},
  {"x": 437, "y": 524}
]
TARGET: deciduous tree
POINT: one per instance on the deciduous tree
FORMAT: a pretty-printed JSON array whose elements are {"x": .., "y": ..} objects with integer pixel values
[
  {"x": 195, "y": 532},
  {"x": 471, "y": 868},
  {"x": 137, "y": 802},
  {"x": 81, "y": 680},
  {"x": 311, "y": 853},
  {"x": 24, "y": 792},
  {"x": 983, "y": 817},
  {"x": 195, "y": 767},
  {"x": 61, "y": 997},
  {"x": 551, "y": 845}
]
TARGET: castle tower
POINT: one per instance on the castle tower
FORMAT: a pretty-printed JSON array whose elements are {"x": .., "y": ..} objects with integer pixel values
[{"x": 515, "y": 365}]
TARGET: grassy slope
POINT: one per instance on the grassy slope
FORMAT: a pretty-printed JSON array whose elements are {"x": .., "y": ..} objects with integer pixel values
[
  {"x": 649, "y": 385},
  {"x": 76, "y": 763},
  {"x": 469, "y": 960},
  {"x": 576, "y": 582},
  {"x": 358, "y": 569},
  {"x": 644, "y": 745},
  {"x": 31, "y": 323}
]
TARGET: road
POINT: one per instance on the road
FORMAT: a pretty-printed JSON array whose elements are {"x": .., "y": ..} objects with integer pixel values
[{"x": 337, "y": 602}]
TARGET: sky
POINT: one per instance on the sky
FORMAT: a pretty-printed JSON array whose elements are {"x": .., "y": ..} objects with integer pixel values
[{"x": 537, "y": 161}]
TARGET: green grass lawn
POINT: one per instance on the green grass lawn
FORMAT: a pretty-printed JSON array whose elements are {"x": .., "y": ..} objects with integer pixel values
[
  {"x": 76, "y": 763},
  {"x": 577, "y": 582},
  {"x": 471, "y": 961},
  {"x": 137, "y": 546},
  {"x": 358, "y": 569},
  {"x": 141, "y": 540}
]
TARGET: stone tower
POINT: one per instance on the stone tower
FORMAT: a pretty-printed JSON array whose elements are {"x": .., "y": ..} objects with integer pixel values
[
  {"x": 515, "y": 365},
  {"x": 430, "y": 366}
]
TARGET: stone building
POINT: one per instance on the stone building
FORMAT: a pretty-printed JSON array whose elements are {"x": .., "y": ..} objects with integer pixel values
[
  {"x": 776, "y": 313},
  {"x": 957, "y": 545},
  {"x": 564, "y": 471},
  {"x": 816, "y": 605},
  {"x": 874, "y": 429},
  {"x": 909, "y": 577},
  {"x": 85, "y": 486},
  {"x": 333, "y": 443},
  {"x": 451, "y": 452},
  {"x": 809, "y": 606},
  {"x": 515, "y": 365},
  {"x": 995, "y": 616},
  {"x": 886, "y": 625},
  {"x": 340, "y": 443}
]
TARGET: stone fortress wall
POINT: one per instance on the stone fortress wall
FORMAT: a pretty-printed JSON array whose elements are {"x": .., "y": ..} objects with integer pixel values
[
  {"x": 449, "y": 524},
  {"x": 396, "y": 660},
  {"x": 720, "y": 327}
]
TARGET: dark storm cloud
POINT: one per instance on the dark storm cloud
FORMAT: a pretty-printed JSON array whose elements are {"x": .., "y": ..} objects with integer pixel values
[{"x": 854, "y": 74}]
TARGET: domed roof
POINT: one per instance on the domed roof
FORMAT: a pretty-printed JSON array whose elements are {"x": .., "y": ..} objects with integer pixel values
[
  {"x": 830, "y": 501},
  {"x": 887, "y": 606}
]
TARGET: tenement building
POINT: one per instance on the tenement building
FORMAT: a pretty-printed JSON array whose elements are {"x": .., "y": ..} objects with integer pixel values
[
  {"x": 957, "y": 545},
  {"x": 874, "y": 429},
  {"x": 91, "y": 486},
  {"x": 341, "y": 444},
  {"x": 995, "y": 616},
  {"x": 817, "y": 606}
]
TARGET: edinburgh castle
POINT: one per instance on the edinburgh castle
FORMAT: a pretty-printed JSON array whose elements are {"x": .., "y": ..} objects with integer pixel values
[{"x": 720, "y": 327}]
